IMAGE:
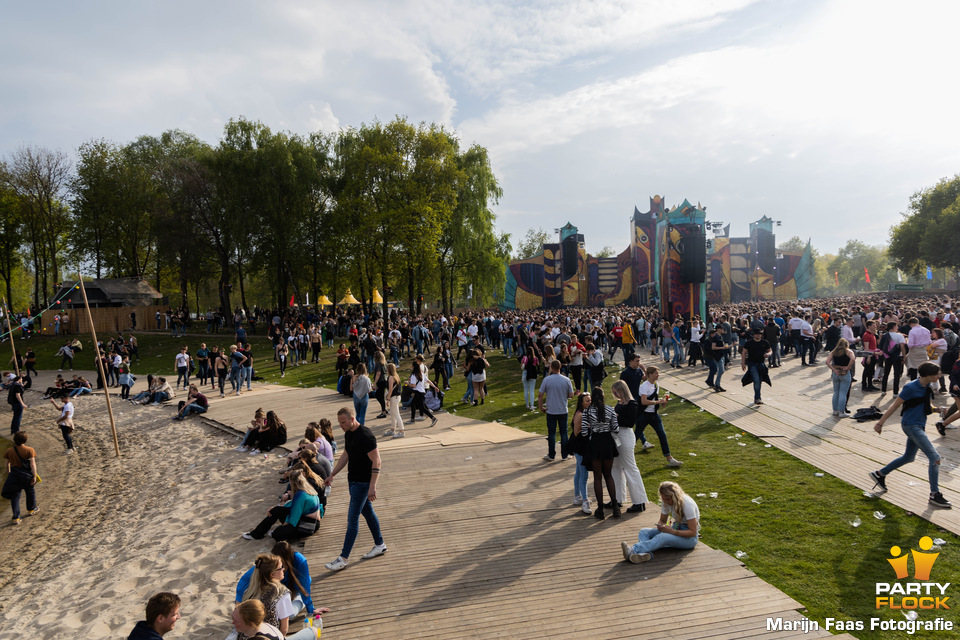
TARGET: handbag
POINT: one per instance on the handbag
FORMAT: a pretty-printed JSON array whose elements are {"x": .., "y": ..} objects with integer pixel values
[{"x": 18, "y": 477}]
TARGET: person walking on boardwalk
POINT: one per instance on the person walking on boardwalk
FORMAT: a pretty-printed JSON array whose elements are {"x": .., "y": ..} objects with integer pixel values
[
  {"x": 753, "y": 353},
  {"x": 362, "y": 459},
  {"x": 916, "y": 399}
]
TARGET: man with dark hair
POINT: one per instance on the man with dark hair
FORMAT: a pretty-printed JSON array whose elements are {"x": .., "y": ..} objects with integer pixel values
[
  {"x": 752, "y": 354},
  {"x": 163, "y": 611},
  {"x": 16, "y": 401},
  {"x": 362, "y": 459},
  {"x": 916, "y": 398}
]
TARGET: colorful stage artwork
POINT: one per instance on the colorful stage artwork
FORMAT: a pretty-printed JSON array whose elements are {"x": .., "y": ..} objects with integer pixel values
[{"x": 652, "y": 270}]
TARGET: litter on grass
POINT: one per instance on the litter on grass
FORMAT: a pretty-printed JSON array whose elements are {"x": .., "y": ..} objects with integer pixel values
[
  {"x": 701, "y": 495},
  {"x": 757, "y": 500},
  {"x": 767, "y": 446},
  {"x": 674, "y": 474},
  {"x": 741, "y": 555},
  {"x": 742, "y": 444},
  {"x": 855, "y": 522},
  {"x": 939, "y": 541},
  {"x": 818, "y": 475},
  {"x": 909, "y": 615},
  {"x": 723, "y": 422},
  {"x": 714, "y": 494},
  {"x": 693, "y": 454},
  {"x": 867, "y": 494},
  {"x": 879, "y": 515}
]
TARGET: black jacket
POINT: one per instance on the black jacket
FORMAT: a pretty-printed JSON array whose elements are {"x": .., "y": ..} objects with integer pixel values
[{"x": 143, "y": 631}]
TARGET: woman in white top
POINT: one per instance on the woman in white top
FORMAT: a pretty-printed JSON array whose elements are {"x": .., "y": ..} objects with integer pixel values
[
  {"x": 419, "y": 382},
  {"x": 682, "y": 533},
  {"x": 393, "y": 397}
]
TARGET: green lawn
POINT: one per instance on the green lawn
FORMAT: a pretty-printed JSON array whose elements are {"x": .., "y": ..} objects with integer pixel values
[{"x": 798, "y": 538}]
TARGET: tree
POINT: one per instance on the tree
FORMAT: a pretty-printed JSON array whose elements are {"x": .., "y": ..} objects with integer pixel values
[
  {"x": 606, "y": 252},
  {"x": 793, "y": 245},
  {"x": 851, "y": 261},
  {"x": 471, "y": 253},
  {"x": 11, "y": 236},
  {"x": 532, "y": 244},
  {"x": 926, "y": 235},
  {"x": 40, "y": 176}
]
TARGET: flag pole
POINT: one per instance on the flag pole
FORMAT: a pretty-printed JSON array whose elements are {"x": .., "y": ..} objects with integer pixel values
[
  {"x": 103, "y": 374},
  {"x": 13, "y": 346}
]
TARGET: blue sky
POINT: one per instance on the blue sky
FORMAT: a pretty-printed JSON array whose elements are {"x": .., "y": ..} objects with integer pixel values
[{"x": 825, "y": 115}]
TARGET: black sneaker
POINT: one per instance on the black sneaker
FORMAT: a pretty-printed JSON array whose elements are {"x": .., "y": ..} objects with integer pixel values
[
  {"x": 937, "y": 500},
  {"x": 942, "y": 430},
  {"x": 879, "y": 480}
]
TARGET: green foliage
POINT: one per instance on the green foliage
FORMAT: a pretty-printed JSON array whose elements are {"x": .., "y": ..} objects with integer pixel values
[
  {"x": 926, "y": 235},
  {"x": 606, "y": 252},
  {"x": 396, "y": 207},
  {"x": 532, "y": 243},
  {"x": 850, "y": 263}
]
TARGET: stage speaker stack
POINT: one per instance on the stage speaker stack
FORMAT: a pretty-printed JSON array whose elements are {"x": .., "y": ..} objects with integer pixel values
[{"x": 693, "y": 260}]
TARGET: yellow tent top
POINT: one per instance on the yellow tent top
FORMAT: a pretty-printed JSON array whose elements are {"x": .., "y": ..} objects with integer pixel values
[
  {"x": 349, "y": 299},
  {"x": 324, "y": 301},
  {"x": 377, "y": 298}
]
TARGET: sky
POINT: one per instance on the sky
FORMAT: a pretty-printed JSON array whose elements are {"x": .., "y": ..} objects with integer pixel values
[{"x": 824, "y": 115}]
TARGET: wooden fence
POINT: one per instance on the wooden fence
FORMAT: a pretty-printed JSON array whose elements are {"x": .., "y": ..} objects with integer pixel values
[{"x": 108, "y": 321}]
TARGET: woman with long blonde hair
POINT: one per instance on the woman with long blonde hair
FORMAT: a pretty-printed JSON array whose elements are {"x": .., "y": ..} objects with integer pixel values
[
  {"x": 301, "y": 515},
  {"x": 267, "y": 601},
  {"x": 393, "y": 397},
  {"x": 680, "y": 533}
]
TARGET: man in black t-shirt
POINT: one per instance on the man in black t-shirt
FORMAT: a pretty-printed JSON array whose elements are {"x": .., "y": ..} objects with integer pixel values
[
  {"x": 752, "y": 354},
  {"x": 714, "y": 353},
  {"x": 362, "y": 459}
]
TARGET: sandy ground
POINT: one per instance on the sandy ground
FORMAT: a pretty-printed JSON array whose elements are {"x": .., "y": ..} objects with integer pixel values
[{"x": 165, "y": 516}]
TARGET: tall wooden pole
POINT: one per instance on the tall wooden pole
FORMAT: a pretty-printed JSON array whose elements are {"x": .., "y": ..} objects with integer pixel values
[
  {"x": 103, "y": 374},
  {"x": 6, "y": 313}
]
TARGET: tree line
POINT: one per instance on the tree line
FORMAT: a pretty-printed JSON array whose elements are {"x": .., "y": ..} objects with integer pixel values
[{"x": 397, "y": 207}]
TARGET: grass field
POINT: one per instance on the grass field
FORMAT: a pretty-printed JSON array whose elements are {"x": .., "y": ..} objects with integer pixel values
[{"x": 797, "y": 536}]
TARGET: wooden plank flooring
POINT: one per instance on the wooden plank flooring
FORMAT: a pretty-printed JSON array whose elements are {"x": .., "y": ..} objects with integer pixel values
[
  {"x": 796, "y": 417},
  {"x": 483, "y": 543}
]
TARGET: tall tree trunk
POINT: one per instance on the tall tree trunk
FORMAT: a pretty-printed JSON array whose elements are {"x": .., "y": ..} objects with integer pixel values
[
  {"x": 410, "y": 285},
  {"x": 243, "y": 291}
]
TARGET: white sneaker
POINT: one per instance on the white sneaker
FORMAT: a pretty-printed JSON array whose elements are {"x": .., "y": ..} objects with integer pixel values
[
  {"x": 255, "y": 452},
  {"x": 242, "y": 449},
  {"x": 648, "y": 445},
  {"x": 68, "y": 452},
  {"x": 247, "y": 536},
  {"x": 378, "y": 550},
  {"x": 625, "y": 548},
  {"x": 577, "y": 501},
  {"x": 673, "y": 462},
  {"x": 637, "y": 558},
  {"x": 585, "y": 507},
  {"x": 337, "y": 564}
]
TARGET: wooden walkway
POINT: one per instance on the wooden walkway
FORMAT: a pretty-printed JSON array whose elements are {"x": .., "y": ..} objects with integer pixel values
[
  {"x": 796, "y": 417},
  {"x": 483, "y": 543}
]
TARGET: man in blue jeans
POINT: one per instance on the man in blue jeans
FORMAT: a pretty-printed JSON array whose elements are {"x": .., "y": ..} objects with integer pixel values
[
  {"x": 752, "y": 354},
  {"x": 916, "y": 399},
  {"x": 15, "y": 399},
  {"x": 714, "y": 352},
  {"x": 556, "y": 389},
  {"x": 362, "y": 459}
]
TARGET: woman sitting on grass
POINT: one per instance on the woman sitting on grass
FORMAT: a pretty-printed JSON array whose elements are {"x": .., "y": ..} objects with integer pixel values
[{"x": 682, "y": 533}]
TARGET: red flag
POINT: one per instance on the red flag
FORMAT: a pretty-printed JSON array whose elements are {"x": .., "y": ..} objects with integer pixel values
[
  {"x": 836, "y": 278},
  {"x": 867, "y": 273},
  {"x": 291, "y": 300}
]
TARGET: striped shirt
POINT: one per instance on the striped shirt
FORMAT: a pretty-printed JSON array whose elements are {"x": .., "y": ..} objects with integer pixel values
[{"x": 598, "y": 424}]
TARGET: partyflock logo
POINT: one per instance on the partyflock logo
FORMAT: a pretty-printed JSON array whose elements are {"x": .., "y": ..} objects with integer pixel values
[{"x": 919, "y": 594}]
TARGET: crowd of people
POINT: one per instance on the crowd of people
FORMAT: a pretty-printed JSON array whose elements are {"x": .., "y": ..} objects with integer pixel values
[{"x": 569, "y": 352}]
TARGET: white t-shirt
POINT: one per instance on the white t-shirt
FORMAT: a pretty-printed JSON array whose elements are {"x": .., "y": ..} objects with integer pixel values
[
  {"x": 647, "y": 388},
  {"x": 67, "y": 412},
  {"x": 795, "y": 324},
  {"x": 805, "y": 329},
  {"x": 183, "y": 360},
  {"x": 285, "y": 605},
  {"x": 690, "y": 511}
]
